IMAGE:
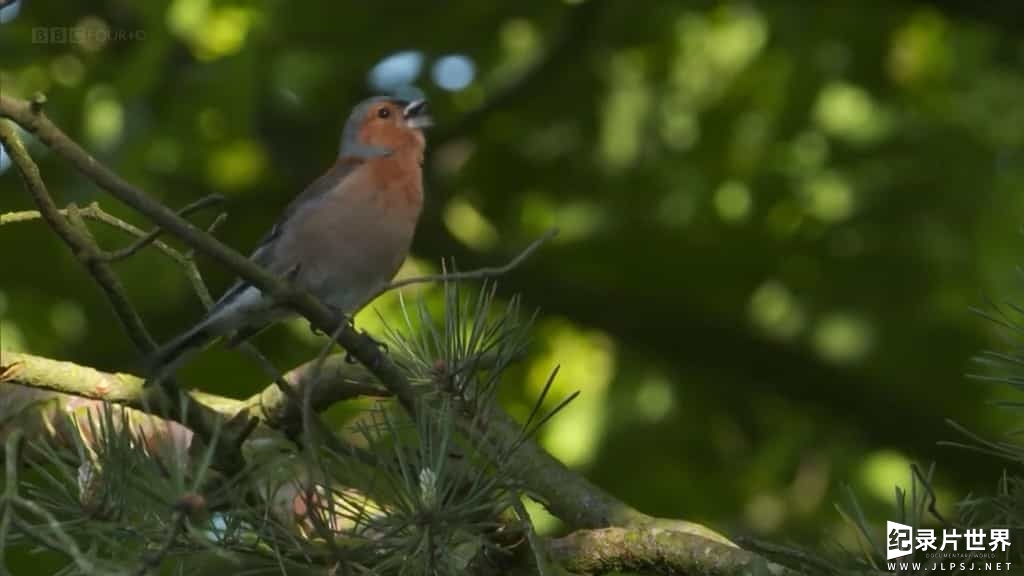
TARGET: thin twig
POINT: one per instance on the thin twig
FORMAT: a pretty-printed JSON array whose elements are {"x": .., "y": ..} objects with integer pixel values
[
  {"x": 187, "y": 262},
  {"x": 202, "y": 291},
  {"x": 94, "y": 213},
  {"x": 211, "y": 229},
  {"x": 478, "y": 274},
  {"x": 77, "y": 239},
  {"x": 74, "y": 232},
  {"x": 152, "y": 235}
]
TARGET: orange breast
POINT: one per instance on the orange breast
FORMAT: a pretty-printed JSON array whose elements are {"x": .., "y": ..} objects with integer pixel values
[{"x": 396, "y": 182}]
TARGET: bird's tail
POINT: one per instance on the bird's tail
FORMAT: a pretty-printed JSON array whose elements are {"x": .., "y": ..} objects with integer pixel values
[
  {"x": 241, "y": 311},
  {"x": 169, "y": 357}
]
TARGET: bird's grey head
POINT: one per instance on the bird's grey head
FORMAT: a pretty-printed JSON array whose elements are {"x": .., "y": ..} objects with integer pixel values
[{"x": 408, "y": 114}]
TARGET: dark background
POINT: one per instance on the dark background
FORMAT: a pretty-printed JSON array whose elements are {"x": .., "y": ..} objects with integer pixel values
[{"x": 775, "y": 216}]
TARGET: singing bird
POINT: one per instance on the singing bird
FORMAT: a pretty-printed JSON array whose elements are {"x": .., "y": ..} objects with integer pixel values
[{"x": 343, "y": 238}]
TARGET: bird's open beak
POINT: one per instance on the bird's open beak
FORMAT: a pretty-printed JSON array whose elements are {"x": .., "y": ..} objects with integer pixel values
[{"x": 415, "y": 115}]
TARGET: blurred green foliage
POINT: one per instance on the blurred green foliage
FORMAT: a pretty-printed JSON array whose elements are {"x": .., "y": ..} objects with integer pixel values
[{"x": 774, "y": 216}]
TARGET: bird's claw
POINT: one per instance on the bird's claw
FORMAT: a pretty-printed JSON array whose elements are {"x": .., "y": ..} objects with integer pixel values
[{"x": 337, "y": 312}]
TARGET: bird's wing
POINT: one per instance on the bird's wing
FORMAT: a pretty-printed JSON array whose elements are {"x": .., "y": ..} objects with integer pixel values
[{"x": 262, "y": 254}]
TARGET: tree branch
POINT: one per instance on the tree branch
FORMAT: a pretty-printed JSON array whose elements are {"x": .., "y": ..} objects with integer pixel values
[
  {"x": 77, "y": 238},
  {"x": 478, "y": 274},
  {"x": 340, "y": 381},
  {"x": 94, "y": 213},
  {"x": 151, "y": 236},
  {"x": 681, "y": 546},
  {"x": 73, "y": 231},
  {"x": 655, "y": 550}
]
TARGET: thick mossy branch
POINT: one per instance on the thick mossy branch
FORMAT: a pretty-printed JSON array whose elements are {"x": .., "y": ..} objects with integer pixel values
[
  {"x": 340, "y": 381},
  {"x": 652, "y": 550},
  {"x": 568, "y": 495},
  {"x": 661, "y": 546}
]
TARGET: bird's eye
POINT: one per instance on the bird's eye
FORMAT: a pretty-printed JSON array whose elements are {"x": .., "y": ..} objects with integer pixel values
[{"x": 383, "y": 113}]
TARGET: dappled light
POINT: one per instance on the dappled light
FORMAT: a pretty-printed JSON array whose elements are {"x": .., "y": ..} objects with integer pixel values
[
  {"x": 237, "y": 165},
  {"x": 469, "y": 226},
  {"x": 733, "y": 202},
  {"x": 212, "y": 32},
  {"x": 104, "y": 117},
  {"x": 843, "y": 338},
  {"x": 774, "y": 309},
  {"x": 882, "y": 471},
  {"x": 586, "y": 361},
  {"x": 848, "y": 113},
  {"x": 828, "y": 197}
]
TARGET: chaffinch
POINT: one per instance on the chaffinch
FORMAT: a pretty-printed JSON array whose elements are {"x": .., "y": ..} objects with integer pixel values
[{"x": 343, "y": 238}]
